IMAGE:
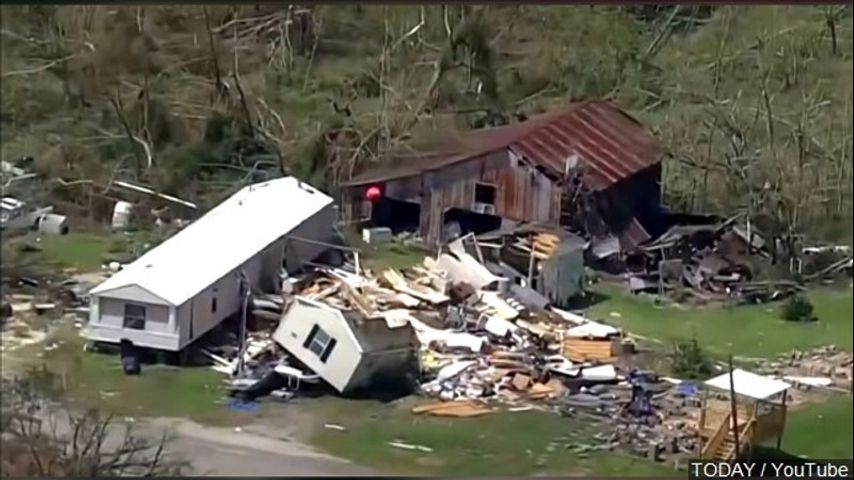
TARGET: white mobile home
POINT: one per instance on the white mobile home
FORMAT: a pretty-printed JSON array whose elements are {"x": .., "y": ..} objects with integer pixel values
[
  {"x": 179, "y": 290},
  {"x": 348, "y": 352}
]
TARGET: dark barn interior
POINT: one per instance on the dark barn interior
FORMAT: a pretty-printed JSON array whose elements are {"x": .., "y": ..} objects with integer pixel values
[
  {"x": 398, "y": 215},
  {"x": 459, "y": 222}
]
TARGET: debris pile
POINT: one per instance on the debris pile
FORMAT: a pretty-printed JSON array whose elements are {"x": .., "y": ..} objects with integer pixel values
[
  {"x": 481, "y": 347},
  {"x": 542, "y": 265},
  {"x": 26, "y": 298},
  {"x": 659, "y": 420},
  {"x": 723, "y": 261},
  {"x": 819, "y": 368},
  {"x": 259, "y": 369}
]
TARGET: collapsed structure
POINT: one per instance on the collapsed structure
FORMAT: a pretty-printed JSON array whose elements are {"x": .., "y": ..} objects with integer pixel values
[
  {"x": 358, "y": 330},
  {"x": 349, "y": 352},
  {"x": 590, "y": 169},
  {"x": 476, "y": 345},
  {"x": 485, "y": 321},
  {"x": 590, "y": 165}
]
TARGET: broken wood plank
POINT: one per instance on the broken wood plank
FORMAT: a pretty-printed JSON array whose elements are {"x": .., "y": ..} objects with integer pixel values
[
  {"x": 527, "y": 251},
  {"x": 362, "y": 303},
  {"x": 428, "y": 407},
  {"x": 521, "y": 382},
  {"x": 583, "y": 350},
  {"x": 547, "y": 238},
  {"x": 397, "y": 282},
  {"x": 500, "y": 306},
  {"x": 468, "y": 411},
  {"x": 510, "y": 364},
  {"x": 457, "y": 408}
]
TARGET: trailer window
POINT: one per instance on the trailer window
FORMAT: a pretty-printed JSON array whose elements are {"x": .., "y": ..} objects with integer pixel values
[
  {"x": 320, "y": 343},
  {"x": 134, "y": 316}
]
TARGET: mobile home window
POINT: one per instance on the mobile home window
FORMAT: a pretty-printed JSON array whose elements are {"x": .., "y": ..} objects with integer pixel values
[
  {"x": 134, "y": 316},
  {"x": 320, "y": 343}
]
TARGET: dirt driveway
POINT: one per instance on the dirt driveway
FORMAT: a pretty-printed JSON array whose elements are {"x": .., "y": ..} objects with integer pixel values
[
  {"x": 265, "y": 447},
  {"x": 246, "y": 451}
]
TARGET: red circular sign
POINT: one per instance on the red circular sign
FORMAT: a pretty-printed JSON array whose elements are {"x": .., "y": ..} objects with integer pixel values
[{"x": 373, "y": 193}]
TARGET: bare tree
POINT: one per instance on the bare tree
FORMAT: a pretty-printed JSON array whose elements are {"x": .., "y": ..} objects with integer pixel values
[
  {"x": 41, "y": 439},
  {"x": 832, "y": 15}
]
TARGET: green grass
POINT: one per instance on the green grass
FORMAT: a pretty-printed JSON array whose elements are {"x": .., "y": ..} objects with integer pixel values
[
  {"x": 393, "y": 255},
  {"x": 388, "y": 255},
  {"x": 160, "y": 390},
  {"x": 83, "y": 251},
  {"x": 501, "y": 443},
  {"x": 824, "y": 430},
  {"x": 749, "y": 331},
  {"x": 95, "y": 380}
]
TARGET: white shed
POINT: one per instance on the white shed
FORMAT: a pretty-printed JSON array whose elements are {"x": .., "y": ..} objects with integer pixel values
[
  {"x": 348, "y": 352},
  {"x": 179, "y": 290}
]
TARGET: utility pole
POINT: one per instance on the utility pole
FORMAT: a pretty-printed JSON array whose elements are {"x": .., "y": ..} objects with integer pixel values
[
  {"x": 244, "y": 288},
  {"x": 733, "y": 406}
]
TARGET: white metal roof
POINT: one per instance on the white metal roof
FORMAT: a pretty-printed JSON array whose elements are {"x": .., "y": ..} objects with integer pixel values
[
  {"x": 749, "y": 384},
  {"x": 221, "y": 240}
]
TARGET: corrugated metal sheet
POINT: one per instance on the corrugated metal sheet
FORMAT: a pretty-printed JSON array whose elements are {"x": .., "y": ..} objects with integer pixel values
[
  {"x": 633, "y": 235},
  {"x": 608, "y": 143}
]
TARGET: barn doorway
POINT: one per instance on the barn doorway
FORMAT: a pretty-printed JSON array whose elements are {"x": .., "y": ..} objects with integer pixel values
[
  {"x": 398, "y": 215},
  {"x": 457, "y": 222}
]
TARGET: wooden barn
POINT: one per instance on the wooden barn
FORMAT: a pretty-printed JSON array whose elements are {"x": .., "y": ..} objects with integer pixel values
[{"x": 590, "y": 165}]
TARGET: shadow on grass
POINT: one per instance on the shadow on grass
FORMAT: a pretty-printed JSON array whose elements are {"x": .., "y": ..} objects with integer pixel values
[
  {"x": 589, "y": 299},
  {"x": 385, "y": 390}
]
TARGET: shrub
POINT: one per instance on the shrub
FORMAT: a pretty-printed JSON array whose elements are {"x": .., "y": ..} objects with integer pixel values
[
  {"x": 798, "y": 309},
  {"x": 689, "y": 361}
]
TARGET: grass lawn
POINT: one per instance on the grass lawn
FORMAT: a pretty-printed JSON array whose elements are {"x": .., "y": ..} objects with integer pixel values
[
  {"x": 749, "y": 331},
  {"x": 82, "y": 251},
  {"x": 94, "y": 380},
  {"x": 388, "y": 255},
  {"x": 501, "y": 443},
  {"x": 824, "y": 430}
]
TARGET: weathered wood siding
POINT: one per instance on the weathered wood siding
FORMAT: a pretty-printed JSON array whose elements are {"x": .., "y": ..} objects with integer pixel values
[{"x": 522, "y": 193}]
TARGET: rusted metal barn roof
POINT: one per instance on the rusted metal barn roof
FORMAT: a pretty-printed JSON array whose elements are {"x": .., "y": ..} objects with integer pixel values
[{"x": 608, "y": 143}]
